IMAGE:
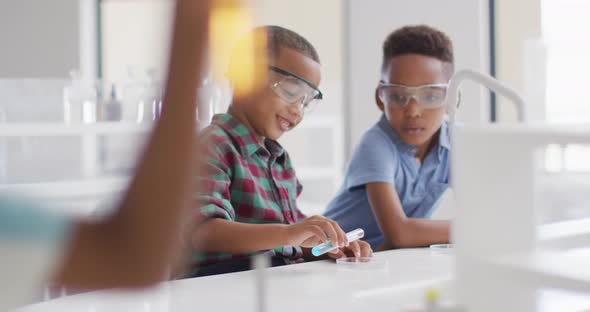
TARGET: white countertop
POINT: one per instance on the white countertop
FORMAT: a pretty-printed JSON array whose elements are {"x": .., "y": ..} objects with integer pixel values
[
  {"x": 395, "y": 281},
  {"x": 396, "y": 278}
]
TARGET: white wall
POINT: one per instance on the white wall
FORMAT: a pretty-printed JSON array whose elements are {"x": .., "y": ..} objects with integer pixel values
[
  {"x": 520, "y": 55},
  {"x": 40, "y": 43},
  {"x": 136, "y": 34},
  {"x": 369, "y": 22},
  {"x": 41, "y": 39}
]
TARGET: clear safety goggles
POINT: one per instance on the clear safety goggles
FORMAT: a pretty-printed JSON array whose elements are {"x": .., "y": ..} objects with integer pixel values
[
  {"x": 426, "y": 96},
  {"x": 296, "y": 90}
]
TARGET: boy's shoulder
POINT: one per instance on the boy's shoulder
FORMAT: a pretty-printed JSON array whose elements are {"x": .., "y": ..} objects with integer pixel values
[
  {"x": 214, "y": 133},
  {"x": 228, "y": 133},
  {"x": 380, "y": 134},
  {"x": 218, "y": 140},
  {"x": 375, "y": 146}
]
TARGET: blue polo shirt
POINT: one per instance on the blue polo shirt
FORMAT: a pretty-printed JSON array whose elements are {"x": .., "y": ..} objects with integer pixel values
[{"x": 382, "y": 156}]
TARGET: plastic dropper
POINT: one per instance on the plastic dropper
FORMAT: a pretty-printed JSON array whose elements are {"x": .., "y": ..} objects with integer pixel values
[{"x": 322, "y": 248}]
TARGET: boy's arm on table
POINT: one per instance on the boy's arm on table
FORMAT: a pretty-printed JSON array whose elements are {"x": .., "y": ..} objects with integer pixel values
[
  {"x": 221, "y": 233},
  {"x": 135, "y": 246},
  {"x": 398, "y": 230}
]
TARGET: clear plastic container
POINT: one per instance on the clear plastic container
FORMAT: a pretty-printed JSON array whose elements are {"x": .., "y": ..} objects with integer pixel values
[
  {"x": 79, "y": 100},
  {"x": 442, "y": 248},
  {"x": 110, "y": 109},
  {"x": 362, "y": 264},
  {"x": 141, "y": 95}
]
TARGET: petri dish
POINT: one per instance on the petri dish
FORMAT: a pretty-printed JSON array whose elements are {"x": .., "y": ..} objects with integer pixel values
[
  {"x": 442, "y": 248},
  {"x": 362, "y": 264}
]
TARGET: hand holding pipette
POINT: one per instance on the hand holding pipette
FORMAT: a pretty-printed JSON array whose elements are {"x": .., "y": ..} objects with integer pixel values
[
  {"x": 322, "y": 248},
  {"x": 357, "y": 249},
  {"x": 314, "y": 230}
]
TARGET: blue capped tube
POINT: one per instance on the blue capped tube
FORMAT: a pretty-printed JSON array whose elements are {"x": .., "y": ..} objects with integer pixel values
[{"x": 322, "y": 248}]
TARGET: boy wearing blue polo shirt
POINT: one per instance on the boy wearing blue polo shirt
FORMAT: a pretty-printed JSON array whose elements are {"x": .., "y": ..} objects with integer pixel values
[{"x": 400, "y": 169}]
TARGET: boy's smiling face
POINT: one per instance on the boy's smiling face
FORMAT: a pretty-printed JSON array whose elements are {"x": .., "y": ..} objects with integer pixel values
[
  {"x": 268, "y": 115},
  {"x": 414, "y": 124}
]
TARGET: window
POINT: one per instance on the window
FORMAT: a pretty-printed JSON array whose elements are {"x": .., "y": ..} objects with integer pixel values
[{"x": 565, "y": 23}]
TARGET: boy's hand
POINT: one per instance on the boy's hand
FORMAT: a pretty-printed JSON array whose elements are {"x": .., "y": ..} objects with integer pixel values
[
  {"x": 355, "y": 249},
  {"x": 314, "y": 230}
]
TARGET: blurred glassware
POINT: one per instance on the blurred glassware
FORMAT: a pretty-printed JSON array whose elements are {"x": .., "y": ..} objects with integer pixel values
[
  {"x": 132, "y": 90},
  {"x": 109, "y": 109},
  {"x": 141, "y": 96},
  {"x": 3, "y": 154},
  {"x": 209, "y": 95},
  {"x": 150, "y": 107},
  {"x": 79, "y": 100}
]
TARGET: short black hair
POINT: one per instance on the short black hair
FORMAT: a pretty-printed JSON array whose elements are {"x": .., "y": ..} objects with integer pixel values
[
  {"x": 276, "y": 37},
  {"x": 418, "y": 39}
]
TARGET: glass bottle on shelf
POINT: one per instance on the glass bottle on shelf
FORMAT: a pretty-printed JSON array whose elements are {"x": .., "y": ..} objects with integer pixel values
[
  {"x": 132, "y": 90},
  {"x": 141, "y": 96},
  {"x": 110, "y": 109},
  {"x": 3, "y": 150},
  {"x": 209, "y": 95},
  {"x": 79, "y": 100},
  {"x": 149, "y": 107}
]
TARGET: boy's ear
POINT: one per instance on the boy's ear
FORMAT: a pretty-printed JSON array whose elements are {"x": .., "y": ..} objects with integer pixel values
[{"x": 378, "y": 100}]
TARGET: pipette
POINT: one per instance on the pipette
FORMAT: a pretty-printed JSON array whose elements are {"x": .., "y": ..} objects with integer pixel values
[{"x": 322, "y": 248}]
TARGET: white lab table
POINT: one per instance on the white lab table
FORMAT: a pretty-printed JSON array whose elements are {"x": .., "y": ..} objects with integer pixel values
[
  {"x": 398, "y": 280},
  {"x": 397, "y": 285}
]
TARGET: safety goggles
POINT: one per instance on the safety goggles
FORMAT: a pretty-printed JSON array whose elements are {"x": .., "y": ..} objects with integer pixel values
[
  {"x": 294, "y": 89},
  {"x": 426, "y": 96}
]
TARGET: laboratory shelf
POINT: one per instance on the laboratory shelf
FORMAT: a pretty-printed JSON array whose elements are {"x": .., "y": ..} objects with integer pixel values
[
  {"x": 61, "y": 129},
  {"x": 68, "y": 188}
]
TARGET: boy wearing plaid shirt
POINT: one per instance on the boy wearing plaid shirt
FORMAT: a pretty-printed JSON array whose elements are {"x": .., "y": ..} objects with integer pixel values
[{"x": 248, "y": 187}]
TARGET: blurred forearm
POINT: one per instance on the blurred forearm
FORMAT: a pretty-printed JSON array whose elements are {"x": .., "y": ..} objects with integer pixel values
[
  {"x": 135, "y": 246},
  {"x": 416, "y": 233}
]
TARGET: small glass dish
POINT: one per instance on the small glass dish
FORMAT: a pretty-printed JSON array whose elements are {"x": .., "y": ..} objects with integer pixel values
[
  {"x": 362, "y": 263},
  {"x": 442, "y": 248}
]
